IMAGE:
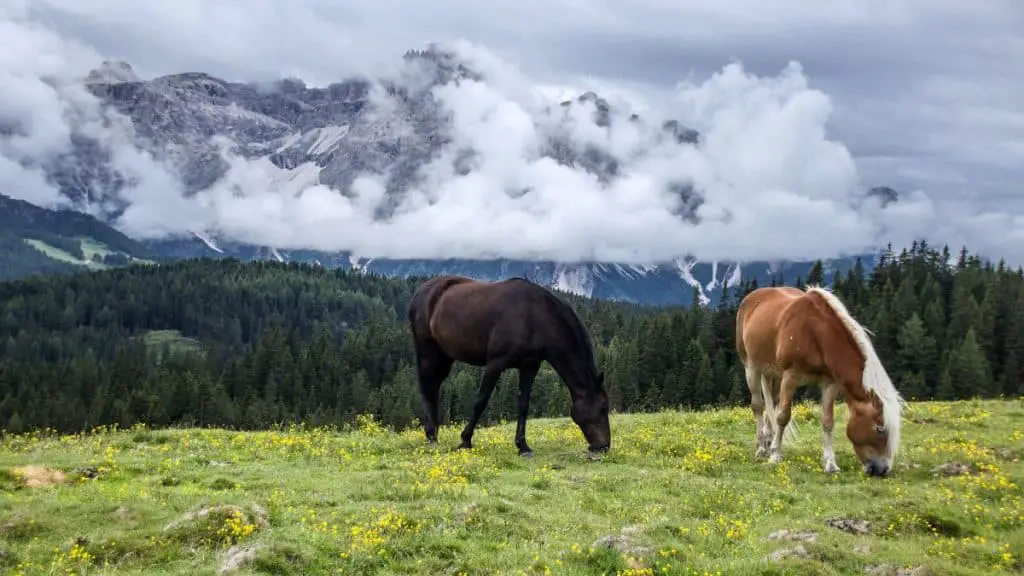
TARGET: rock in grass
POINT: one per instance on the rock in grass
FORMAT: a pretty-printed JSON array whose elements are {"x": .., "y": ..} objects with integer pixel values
[
  {"x": 204, "y": 526},
  {"x": 850, "y": 525},
  {"x": 795, "y": 535},
  {"x": 236, "y": 557},
  {"x": 797, "y": 552},
  {"x": 952, "y": 469},
  {"x": 890, "y": 570},
  {"x": 624, "y": 542}
]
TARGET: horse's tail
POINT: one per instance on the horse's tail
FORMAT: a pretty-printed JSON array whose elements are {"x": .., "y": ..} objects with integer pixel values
[
  {"x": 771, "y": 415},
  {"x": 875, "y": 379}
]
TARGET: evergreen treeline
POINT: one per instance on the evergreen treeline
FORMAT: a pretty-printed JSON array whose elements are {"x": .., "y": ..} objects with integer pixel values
[{"x": 289, "y": 342}]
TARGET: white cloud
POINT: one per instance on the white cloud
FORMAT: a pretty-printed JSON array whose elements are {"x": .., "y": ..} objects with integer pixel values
[
  {"x": 775, "y": 179},
  {"x": 774, "y": 186}
]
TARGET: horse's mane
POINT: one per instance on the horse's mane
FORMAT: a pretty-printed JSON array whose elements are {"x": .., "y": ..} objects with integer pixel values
[
  {"x": 875, "y": 380},
  {"x": 575, "y": 324}
]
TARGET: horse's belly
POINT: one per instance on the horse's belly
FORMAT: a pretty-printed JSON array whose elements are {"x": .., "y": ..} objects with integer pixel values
[
  {"x": 459, "y": 339},
  {"x": 469, "y": 355}
]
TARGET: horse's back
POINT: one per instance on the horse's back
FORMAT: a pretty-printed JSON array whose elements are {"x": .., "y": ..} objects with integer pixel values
[
  {"x": 758, "y": 320},
  {"x": 424, "y": 300},
  {"x": 784, "y": 328},
  {"x": 486, "y": 304},
  {"x": 468, "y": 318}
]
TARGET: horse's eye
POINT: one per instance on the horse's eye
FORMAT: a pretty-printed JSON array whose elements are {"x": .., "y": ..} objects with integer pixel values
[{"x": 880, "y": 429}]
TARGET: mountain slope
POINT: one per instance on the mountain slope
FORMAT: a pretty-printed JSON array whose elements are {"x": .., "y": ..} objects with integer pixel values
[
  {"x": 671, "y": 283},
  {"x": 35, "y": 240}
]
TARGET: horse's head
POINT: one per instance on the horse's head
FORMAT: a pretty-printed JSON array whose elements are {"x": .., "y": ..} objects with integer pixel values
[
  {"x": 867, "y": 432},
  {"x": 590, "y": 412}
]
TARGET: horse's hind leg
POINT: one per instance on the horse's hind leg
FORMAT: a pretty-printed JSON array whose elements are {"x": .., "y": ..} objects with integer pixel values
[
  {"x": 433, "y": 366},
  {"x": 761, "y": 435},
  {"x": 527, "y": 373},
  {"x": 783, "y": 412}
]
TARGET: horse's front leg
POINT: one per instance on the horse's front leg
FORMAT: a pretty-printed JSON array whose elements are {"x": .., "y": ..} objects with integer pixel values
[
  {"x": 487, "y": 383},
  {"x": 828, "y": 420},
  {"x": 527, "y": 373},
  {"x": 783, "y": 413}
]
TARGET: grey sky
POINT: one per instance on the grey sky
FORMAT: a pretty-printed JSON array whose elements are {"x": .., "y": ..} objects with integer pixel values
[{"x": 928, "y": 93}]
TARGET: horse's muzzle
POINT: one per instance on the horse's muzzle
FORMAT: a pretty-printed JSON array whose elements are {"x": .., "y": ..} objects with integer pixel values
[{"x": 878, "y": 468}]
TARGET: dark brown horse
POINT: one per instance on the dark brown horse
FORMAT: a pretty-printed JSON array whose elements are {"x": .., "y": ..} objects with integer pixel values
[{"x": 513, "y": 323}]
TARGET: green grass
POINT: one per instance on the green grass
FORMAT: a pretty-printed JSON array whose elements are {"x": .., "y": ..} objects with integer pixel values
[
  {"x": 61, "y": 255},
  {"x": 90, "y": 248},
  {"x": 157, "y": 339},
  {"x": 682, "y": 491}
]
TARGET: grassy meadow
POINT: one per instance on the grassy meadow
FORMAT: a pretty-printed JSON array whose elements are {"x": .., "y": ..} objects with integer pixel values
[
  {"x": 90, "y": 248},
  {"x": 679, "y": 493}
]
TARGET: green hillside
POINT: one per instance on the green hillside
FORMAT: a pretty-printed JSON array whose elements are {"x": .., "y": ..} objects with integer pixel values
[
  {"x": 679, "y": 493},
  {"x": 247, "y": 345},
  {"x": 35, "y": 240}
]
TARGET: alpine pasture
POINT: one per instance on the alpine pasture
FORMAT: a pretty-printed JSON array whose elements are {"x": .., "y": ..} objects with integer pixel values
[{"x": 679, "y": 493}]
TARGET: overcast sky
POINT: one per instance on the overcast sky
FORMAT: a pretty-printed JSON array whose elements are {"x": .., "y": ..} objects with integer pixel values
[{"x": 925, "y": 94}]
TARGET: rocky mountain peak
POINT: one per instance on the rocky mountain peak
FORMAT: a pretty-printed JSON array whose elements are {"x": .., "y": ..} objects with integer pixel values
[
  {"x": 602, "y": 114},
  {"x": 885, "y": 194},
  {"x": 112, "y": 72},
  {"x": 446, "y": 65}
]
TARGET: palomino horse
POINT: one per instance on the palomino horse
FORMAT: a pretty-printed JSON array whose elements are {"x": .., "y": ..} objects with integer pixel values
[
  {"x": 787, "y": 337},
  {"x": 513, "y": 323}
]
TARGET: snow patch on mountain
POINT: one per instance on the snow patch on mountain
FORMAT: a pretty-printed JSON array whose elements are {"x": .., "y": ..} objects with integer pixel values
[
  {"x": 208, "y": 241},
  {"x": 327, "y": 139},
  {"x": 713, "y": 283},
  {"x": 574, "y": 279},
  {"x": 685, "y": 269},
  {"x": 736, "y": 276}
]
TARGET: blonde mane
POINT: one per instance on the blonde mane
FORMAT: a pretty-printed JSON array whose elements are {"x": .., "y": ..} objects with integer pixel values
[{"x": 875, "y": 380}]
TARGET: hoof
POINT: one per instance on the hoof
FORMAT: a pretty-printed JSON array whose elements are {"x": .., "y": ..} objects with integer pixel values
[
  {"x": 761, "y": 452},
  {"x": 831, "y": 468},
  {"x": 465, "y": 446},
  {"x": 775, "y": 458},
  {"x": 526, "y": 453}
]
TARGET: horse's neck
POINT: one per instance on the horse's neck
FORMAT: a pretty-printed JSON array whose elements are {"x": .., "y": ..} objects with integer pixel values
[
  {"x": 850, "y": 378},
  {"x": 844, "y": 363},
  {"x": 571, "y": 370}
]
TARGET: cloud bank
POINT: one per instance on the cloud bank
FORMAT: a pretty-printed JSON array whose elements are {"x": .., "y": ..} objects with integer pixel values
[{"x": 774, "y": 180}]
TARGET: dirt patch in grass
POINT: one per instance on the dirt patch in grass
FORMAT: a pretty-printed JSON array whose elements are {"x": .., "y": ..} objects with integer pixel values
[{"x": 33, "y": 476}]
